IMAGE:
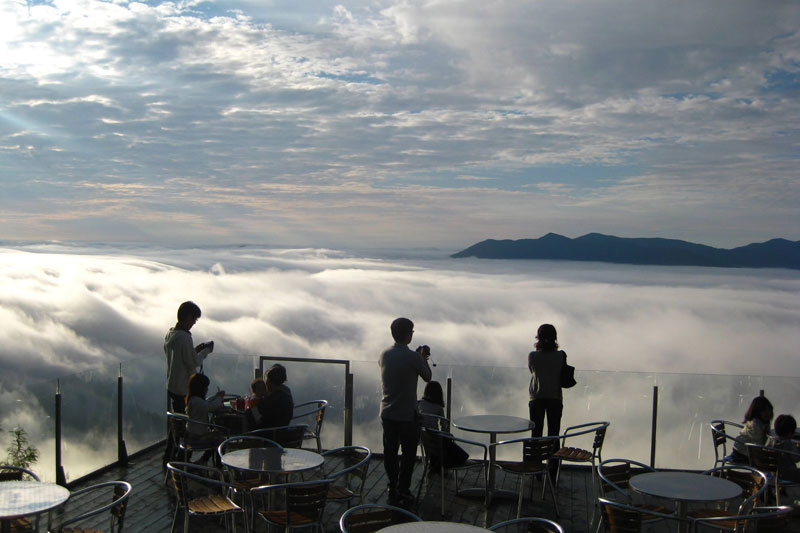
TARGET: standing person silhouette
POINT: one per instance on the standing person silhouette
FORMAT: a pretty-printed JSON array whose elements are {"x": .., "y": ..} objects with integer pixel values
[
  {"x": 183, "y": 360},
  {"x": 400, "y": 368},
  {"x": 545, "y": 388}
]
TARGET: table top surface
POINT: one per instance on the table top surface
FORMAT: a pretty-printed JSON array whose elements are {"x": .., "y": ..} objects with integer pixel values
[
  {"x": 273, "y": 460},
  {"x": 493, "y": 423},
  {"x": 431, "y": 526},
  {"x": 22, "y": 498},
  {"x": 685, "y": 486}
]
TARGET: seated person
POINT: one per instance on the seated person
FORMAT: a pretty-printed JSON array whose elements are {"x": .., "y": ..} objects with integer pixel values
[
  {"x": 785, "y": 426},
  {"x": 756, "y": 427},
  {"x": 275, "y": 406},
  {"x": 432, "y": 403},
  {"x": 198, "y": 408}
]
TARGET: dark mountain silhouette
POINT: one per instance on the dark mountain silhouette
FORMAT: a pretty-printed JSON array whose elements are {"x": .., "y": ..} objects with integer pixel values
[{"x": 775, "y": 253}]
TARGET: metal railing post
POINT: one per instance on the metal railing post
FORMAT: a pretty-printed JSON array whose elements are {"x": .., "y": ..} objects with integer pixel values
[
  {"x": 653, "y": 428},
  {"x": 449, "y": 396},
  {"x": 348, "y": 409},
  {"x": 122, "y": 452},
  {"x": 61, "y": 478}
]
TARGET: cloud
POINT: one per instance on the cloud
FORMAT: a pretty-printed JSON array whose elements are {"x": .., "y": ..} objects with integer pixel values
[
  {"x": 710, "y": 338},
  {"x": 252, "y": 124}
]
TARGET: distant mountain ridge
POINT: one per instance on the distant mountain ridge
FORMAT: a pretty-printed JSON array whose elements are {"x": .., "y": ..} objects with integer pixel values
[{"x": 775, "y": 253}]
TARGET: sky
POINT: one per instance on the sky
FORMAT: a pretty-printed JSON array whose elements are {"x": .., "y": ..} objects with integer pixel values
[{"x": 398, "y": 123}]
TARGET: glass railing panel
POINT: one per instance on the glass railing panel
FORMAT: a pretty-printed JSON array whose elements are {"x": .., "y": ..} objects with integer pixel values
[
  {"x": 367, "y": 430},
  {"x": 89, "y": 420},
  {"x": 145, "y": 402},
  {"x": 31, "y": 408},
  {"x": 311, "y": 380},
  {"x": 783, "y": 393},
  {"x": 686, "y": 405}
]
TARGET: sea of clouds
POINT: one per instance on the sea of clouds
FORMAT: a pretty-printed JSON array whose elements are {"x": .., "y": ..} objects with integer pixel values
[{"x": 67, "y": 309}]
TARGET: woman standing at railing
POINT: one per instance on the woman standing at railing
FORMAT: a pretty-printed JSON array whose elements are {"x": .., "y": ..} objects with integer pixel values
[{"x": 545, "y": 389}]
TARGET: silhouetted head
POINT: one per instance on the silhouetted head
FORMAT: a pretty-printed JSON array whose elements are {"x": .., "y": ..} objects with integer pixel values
[
  {"x": 188, "y": 313},
  {"x": 760, "y": 408},
  {"x": 433, "y": 393},
  {"x": 198, "y": 386},
  {"x": 258, "y": 387},
  {"x": 276, "y": 374},
  {"x": 785, "y": 426},
  {"x": 402, "y": 330},
  {"x": 546, "y": 338}
]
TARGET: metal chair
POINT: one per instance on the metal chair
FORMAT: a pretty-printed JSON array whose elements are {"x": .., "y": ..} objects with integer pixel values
[
  {"x": 617, "y": 517},
  {"x": 580, "y": 455},
  {"x": 318, "y": 411},
  {"x": 759, "y": 520},
  {"x": 180, "y": 443},
  {"x": 719, "y": 438},
  {"x": 434, "y": 443},
  {"x": 766, "y": 459},
  {"x": 371, "y": 517},
  {"x": 302, "y": 504},
  {"x": 614, "y": 476},
  {"x": 213, "y": 502},
  {"x": 536, "y": 452},
  {"x": 17, "y": 473},
  {"x": 287, "y": 436},
  {"x": 531, "y": 525},
  {"x": 79, "y": 500},
  {"x": 348, "y": 466},
  {"x": 753, "y": 484}
]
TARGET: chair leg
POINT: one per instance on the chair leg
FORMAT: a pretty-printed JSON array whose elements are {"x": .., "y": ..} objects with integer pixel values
[{"x": 521, "y": 492}]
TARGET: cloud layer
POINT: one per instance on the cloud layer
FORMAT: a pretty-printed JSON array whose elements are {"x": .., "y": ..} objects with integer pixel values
[
  {"x": 336, "y": 124},
  {"x": 68, "y": 309}
]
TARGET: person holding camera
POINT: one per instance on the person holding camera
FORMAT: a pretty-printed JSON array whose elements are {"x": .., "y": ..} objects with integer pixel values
[
  {"x": 183, "y": 358},
  {"x": 400, "y": 367}
]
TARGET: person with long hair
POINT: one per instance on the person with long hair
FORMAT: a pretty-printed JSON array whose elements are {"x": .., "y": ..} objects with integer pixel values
[
  {"x": 198, "y": 408},
  {"x": 545, "y": 388},
  {"x": 432, "y": 403},
  {"x": 757, "y": 420}
]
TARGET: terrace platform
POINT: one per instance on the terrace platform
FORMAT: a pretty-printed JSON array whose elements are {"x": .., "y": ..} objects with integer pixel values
[{"x": 152, "y": 506}]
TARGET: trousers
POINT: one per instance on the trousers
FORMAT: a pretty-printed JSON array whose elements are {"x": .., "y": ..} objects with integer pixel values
[{"x": 399, "y": 434}]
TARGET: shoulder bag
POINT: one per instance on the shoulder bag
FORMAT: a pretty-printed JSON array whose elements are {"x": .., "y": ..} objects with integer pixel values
[{"x": 567, "y": 375}]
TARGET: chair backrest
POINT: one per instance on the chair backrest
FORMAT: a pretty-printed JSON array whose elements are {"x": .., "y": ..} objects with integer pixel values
[
  {"x": 302, "y": 498},
  {"x": 371, "y": 517},
  {"x": 207, "y": 477},
  {"x": 16, "y": 473},
  {"x": 318, "y": 411},
  {"x": 752, "y": 481},
  {"x": 177, "y": 426},
  {"x": 243, "y": 442},
  {"x": 759, "y": 520},
  {"x": 538, "y": 449},
  {"x": 353, "y": 463},
  {"x": 720, "y": 437},
  {"x": 432, "y": 444},
  {"x": 763, "y": 458},
  {"x": 286, "y": 436},
  {"x": 530, "y": 524},
  {"x": 615, "y": 474},
  {"x": 618, "y": 518},
  {"x": 119, "y": 491},
  {"x": 599, "y": 438}
]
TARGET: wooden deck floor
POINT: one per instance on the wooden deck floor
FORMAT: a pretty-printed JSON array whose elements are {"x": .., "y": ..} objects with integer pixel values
[{"x": 151, "y": 507}]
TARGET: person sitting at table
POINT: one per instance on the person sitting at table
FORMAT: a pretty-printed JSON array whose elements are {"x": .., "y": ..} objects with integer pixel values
[
  {"x": 432, "y": 403},
  {"x": 756, "y": 427},
  {"x": 272, "y": 404},
  {"x": 198, "y": 408},
  {"x": 785, "y": 426}
]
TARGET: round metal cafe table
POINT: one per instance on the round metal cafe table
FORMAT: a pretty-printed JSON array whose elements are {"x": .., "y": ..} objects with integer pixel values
[
  {"x": 433, "y": 527},
  {"x": 25, "y": 498},
  {"x": 493, "y": 425}
]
